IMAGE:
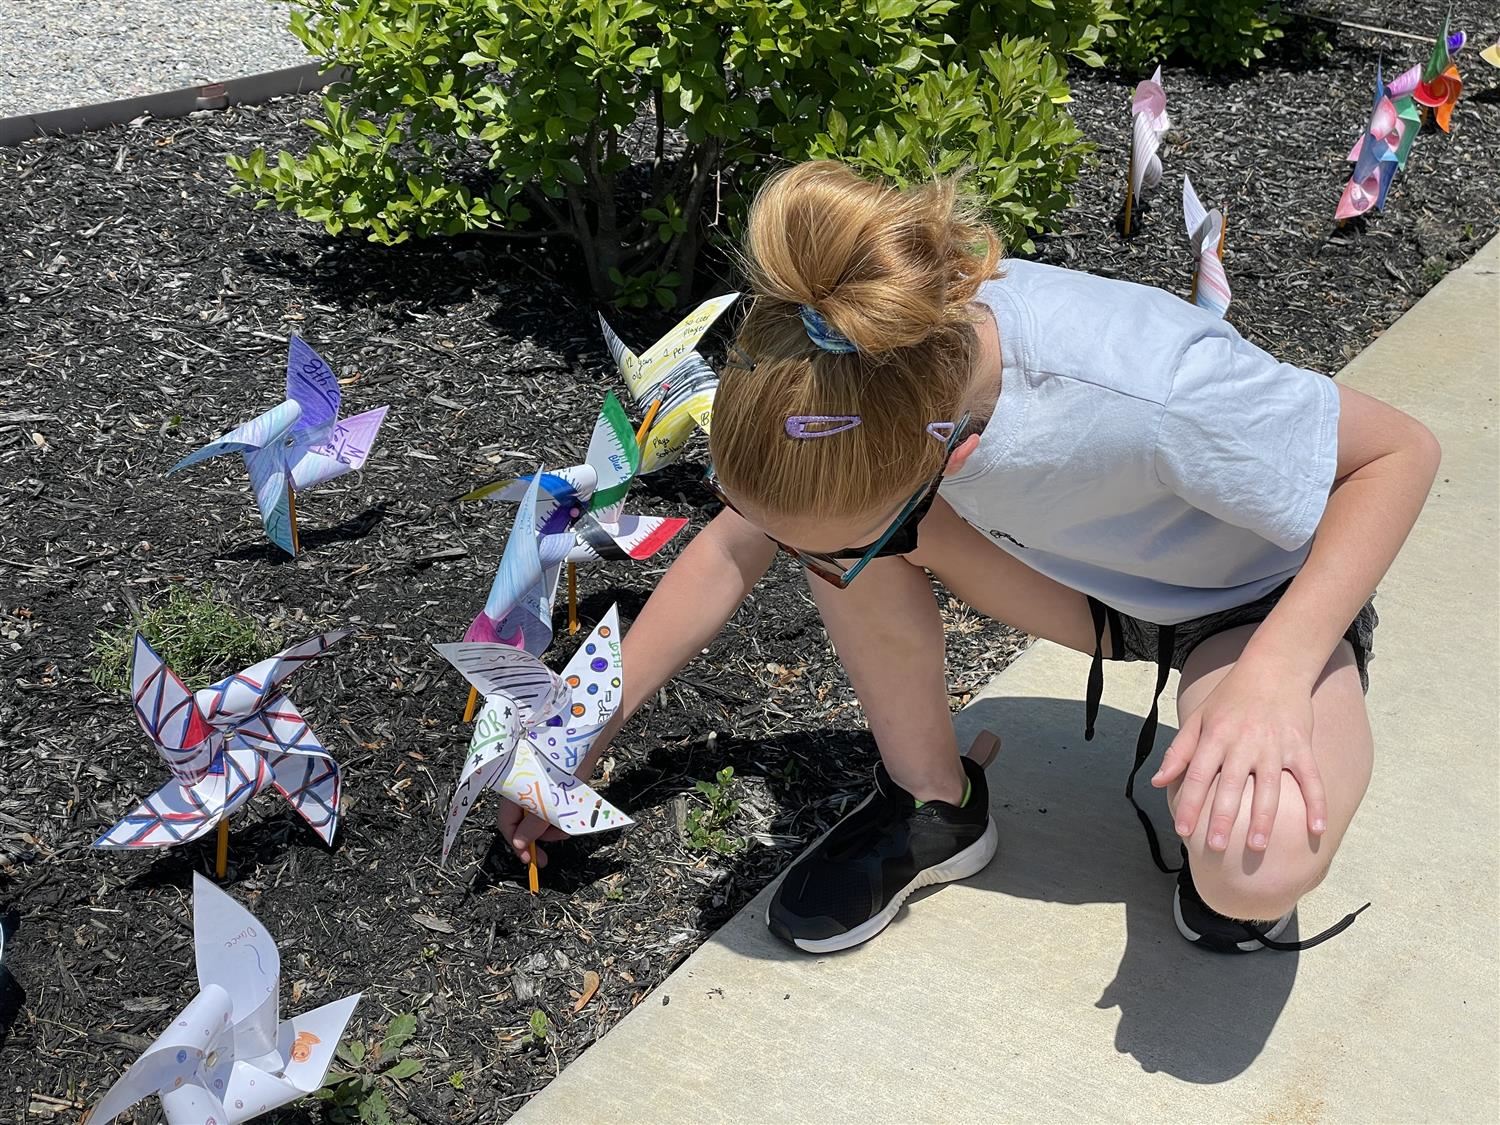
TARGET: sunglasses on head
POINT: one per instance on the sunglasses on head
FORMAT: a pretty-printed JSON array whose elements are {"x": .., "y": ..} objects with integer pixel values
[{"x": 899, "y": 538}]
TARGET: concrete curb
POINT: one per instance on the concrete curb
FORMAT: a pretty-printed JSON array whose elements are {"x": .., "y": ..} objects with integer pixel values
[{"x": 169, "y": 103}]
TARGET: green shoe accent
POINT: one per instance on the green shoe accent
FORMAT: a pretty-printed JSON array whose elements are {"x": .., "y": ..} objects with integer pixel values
[{"x": 968, "y": 789}]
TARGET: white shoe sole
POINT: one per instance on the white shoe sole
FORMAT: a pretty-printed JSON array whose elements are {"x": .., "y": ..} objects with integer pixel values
[
  {"x": 1250, "y": 945},
  {"x": 968, "y": 862}
]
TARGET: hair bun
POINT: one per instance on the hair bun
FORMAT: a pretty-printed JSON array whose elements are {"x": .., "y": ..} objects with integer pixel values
[{"x": 884, "y": 268}]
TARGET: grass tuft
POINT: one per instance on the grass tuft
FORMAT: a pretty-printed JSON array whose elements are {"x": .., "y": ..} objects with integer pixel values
[{"x": 202, "y": 638}]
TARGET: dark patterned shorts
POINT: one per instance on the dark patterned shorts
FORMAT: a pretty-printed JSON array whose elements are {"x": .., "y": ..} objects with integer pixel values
[{"x": 1137, "y": 640}]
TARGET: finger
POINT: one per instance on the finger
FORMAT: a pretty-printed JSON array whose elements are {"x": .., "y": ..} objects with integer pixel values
[
  {"x": 1196, "y": 780},
  {"x": 507, "y": 817},
  {"x": 525, "y": 834},
  {"x": 1310, "y": 781},
  {"x": 1178, "y": 754},
  {"x": 1263, "y": 805},
  {"x": 1229, "y": 794}
]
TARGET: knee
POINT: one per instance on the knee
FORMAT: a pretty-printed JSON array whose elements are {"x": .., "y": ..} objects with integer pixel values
[{"x": 1262, "y": 886}]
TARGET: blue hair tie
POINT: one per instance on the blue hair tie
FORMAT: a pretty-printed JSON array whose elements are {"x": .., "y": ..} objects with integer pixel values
[{"x": 820, "y": 332}]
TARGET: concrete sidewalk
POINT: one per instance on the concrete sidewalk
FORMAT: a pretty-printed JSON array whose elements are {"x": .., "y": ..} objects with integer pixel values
[{"x": 1053, "y": 986}]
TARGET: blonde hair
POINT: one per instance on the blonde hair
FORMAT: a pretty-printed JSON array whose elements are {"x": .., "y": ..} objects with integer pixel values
[{"x": 894, "y": 271}]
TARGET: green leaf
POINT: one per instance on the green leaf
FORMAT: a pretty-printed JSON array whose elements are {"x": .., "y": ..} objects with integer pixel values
[
  {"x": 405, "y": 1068},
  {"x": 398, "y": 1033},
  {"x": 374, "y": 1110}
]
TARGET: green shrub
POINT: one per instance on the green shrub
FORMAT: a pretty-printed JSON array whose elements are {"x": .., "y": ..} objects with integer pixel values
[
  {"x": 202, "y": 638},
  {"x": 1212, "y": 34},
  {"x": 1066, "y": 27},
  {"x": 638, "y": 128}
]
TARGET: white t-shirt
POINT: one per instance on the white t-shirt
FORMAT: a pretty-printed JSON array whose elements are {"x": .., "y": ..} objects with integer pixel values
[{"x": 1142, "y": 451}]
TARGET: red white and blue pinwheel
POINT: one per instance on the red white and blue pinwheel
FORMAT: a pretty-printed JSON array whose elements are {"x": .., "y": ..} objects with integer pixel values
[
  {"x": 223, "y": 745},
  {"x": 298, "y": 444},
  {"x": 588, "y": 500}
]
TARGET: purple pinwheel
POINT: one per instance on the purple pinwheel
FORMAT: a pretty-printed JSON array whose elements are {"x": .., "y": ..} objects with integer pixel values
[{"x": 298, "y": 444}]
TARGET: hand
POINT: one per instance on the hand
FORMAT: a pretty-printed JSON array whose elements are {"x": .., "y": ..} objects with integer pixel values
[
  {"x": 522, "y": 830},
  {"x": 1250, "y": 726}
]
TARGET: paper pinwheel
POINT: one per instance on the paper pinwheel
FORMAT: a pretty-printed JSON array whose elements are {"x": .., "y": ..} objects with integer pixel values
[
  {"x": 228, "y": 1056},
  {"x": 518, "y": 609},
  {"x": 1440, "y": 85},
  {"x": 586, "y": 501},
  {"x": 298, "y": 444},
  {"x": 536, "y": 727},
  {"x": 1205, "y": 230},
  {"x": 1379, "y": 152},
  {"x": 224, "y": 744},
  {"x": 1491, "y": 54},
  {"x": 672, "y": 374},
  {"x": 1149, "y": 124}
]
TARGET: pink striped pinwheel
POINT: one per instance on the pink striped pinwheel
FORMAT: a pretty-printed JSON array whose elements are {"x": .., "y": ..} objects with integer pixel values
[
  {"x": 298, "y": 444},
  {"x": 1149, "y": 124},
  {"x": 1205, "y": 230},
  {"x": 223, "y": 745}
]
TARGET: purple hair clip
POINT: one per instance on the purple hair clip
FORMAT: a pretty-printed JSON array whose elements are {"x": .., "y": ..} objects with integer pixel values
[{"x": 805, "y": 427}]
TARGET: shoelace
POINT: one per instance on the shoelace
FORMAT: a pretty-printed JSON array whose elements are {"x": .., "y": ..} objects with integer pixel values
[
  {"x": 1306, "y": 943},
  {"x": 1165, "y": 641}
]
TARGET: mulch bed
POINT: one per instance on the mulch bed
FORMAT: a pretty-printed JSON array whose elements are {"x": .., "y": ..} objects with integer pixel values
[{"x": 135, "y": 292}]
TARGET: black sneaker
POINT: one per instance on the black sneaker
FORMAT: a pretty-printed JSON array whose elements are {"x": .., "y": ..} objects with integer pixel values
[
  {"x": 848, "y": 886},
  {"x": 1208, "y": 929}
]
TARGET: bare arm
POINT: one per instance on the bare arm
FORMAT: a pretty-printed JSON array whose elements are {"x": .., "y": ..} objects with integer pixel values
[
  {"x": 1258, "y": 720},
  {"x": 696, "y": 597},
  {"x": 1387, "y": 462}
]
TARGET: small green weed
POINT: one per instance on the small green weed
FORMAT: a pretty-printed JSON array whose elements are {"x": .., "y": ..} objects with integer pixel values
[
  {"x": 356, "y": 1094},
  {"x": 456, "y": 1080},
  {"x": 539, "y": 1025},
  {"x": 706, "y": 826},
  {"x": 201, "y": 638}
]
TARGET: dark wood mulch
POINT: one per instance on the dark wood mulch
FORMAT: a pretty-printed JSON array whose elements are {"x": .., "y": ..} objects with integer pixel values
[{"x": 135, "y": 293}]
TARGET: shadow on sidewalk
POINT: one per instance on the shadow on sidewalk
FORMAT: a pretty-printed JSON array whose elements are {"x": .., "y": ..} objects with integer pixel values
[{"x": 1068, "y": 835}]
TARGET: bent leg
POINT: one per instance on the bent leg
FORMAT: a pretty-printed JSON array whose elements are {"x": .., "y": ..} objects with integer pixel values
[
  {"x": 889, "y": 637},
  {"x": 1261, "y": 886}
]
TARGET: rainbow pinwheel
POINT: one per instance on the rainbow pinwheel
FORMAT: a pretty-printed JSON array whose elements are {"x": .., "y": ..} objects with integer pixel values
[
  {"x": 228, "y": 1056},
  {"x": 224, "y": 744},
  {"x": 674, "y": 378},
  {"x": 1205, "y": 230},
  {"x": 536, "y": 727},
  {"x": 588, "y": 500},
  {"x": 298, "y": 444},
  {"x": 1378, "y": 153},
  {"x": 1438, "y": 84},
  {"x": 1149, "y": 124}
]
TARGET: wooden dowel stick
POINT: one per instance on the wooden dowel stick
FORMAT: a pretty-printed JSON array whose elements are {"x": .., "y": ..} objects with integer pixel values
[
  {"x": 572, "y": 599},
  {"x": 1129, "y": 187},
  {"x": 471, "y": 705},
  {"x": 221, "y": 853},
  {"x": 291, "y": 505}
]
